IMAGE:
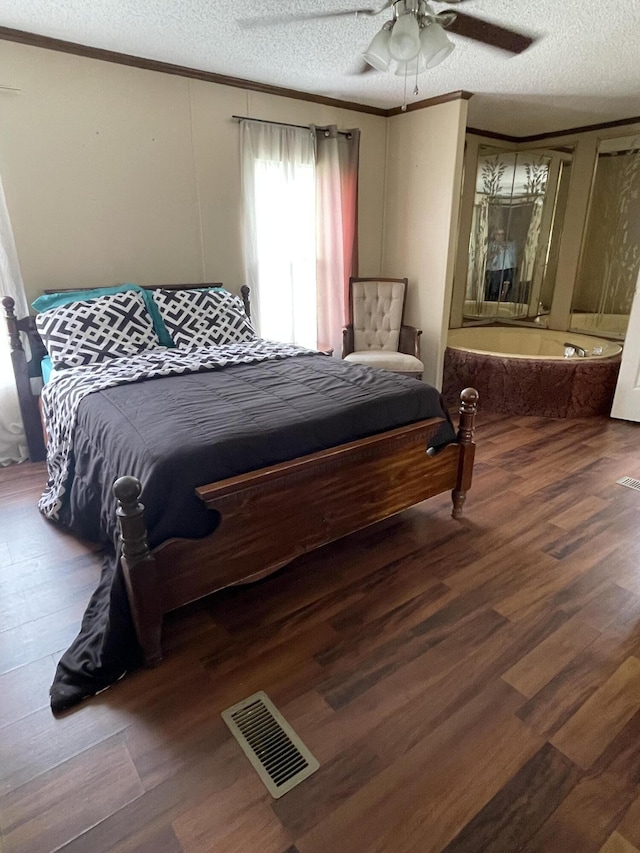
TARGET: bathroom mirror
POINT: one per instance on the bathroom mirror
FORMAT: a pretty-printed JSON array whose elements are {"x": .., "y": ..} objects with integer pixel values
[
  {"x": 610, "y": 259},
  {"x": 515, "y": 234}
]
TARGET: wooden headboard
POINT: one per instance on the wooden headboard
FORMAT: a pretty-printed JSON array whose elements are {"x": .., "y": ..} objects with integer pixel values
[{"x": 27, "y": 369}]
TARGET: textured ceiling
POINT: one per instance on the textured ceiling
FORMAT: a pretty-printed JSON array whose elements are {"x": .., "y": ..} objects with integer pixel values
[{"x": 582, "y": 70}]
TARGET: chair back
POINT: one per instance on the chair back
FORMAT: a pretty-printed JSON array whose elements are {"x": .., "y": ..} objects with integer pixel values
[{"x": 377, "y": 308}]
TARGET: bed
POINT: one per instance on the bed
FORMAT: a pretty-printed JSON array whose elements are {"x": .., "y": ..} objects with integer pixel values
[{"x": 307, "y": 449}]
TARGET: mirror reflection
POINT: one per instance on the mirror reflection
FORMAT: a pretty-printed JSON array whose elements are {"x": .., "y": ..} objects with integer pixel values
[
  {"x": 608, "y": 270},
  {"x": 515, "y": 234}
]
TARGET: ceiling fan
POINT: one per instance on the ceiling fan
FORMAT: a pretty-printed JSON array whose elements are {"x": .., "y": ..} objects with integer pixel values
[{"x": 414, "y": 37}]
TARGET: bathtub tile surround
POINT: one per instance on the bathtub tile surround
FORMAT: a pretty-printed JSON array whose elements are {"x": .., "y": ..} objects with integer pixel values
[
  {"x": 531, "y": 382},
  {"x": 551, "y": 389}
]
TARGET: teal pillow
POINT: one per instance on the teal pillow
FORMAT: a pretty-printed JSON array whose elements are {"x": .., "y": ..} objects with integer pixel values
[
  {"x": 158, "y": 323},
  {"x": 53, "y": 300},
  {"x": 46, "y": 366}
]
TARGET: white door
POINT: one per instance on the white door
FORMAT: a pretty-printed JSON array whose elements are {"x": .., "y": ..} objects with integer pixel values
[{"x": 626, "y": 403}]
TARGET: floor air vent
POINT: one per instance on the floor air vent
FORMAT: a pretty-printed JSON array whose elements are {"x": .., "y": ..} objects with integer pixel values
[
  {"x": 630, "y": 483},
  {"x": 278, "y": 755}
]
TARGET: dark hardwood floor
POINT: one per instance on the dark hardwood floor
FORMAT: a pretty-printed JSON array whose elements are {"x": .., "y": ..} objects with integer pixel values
[{"x": 466, "y": 686}]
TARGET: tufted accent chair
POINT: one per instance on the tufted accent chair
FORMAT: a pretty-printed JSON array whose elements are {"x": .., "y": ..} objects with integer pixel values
[{"x": 376, "y": 335}]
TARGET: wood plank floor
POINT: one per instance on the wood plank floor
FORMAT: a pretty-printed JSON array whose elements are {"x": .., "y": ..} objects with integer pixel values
[{"x": 466, "y": 686}]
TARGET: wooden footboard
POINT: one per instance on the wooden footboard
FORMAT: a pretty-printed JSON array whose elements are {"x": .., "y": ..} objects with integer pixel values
[{"x": 273, "y": 515}]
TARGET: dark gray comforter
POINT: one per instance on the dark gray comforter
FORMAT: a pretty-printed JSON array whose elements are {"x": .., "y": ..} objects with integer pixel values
[{"x": 175, "y": 433}]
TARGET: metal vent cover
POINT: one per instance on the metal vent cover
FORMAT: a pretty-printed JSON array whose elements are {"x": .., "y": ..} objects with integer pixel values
[
  {"x": 276, "y": 752},
  {"x": 630, "y": 482}
]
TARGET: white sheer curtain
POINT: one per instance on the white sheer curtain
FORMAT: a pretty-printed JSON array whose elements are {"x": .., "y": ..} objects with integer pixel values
[
  {"x": 13, "y": 444},
  {"x": 278, "y": 186}
]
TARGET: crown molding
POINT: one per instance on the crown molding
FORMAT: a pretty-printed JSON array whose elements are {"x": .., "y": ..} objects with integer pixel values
[
  {"x": 48, "y": 43},
  {"x": 62, "y": 46},
  {"x": 554, "y": 134},
  {"x": 490, "y": 134},
  {"x": 460, "y": 95},
  {"x": 605, "y": 125}
]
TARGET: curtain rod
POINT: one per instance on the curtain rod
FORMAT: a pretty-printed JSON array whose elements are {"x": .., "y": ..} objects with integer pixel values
[{"x": 287, "y": 124}]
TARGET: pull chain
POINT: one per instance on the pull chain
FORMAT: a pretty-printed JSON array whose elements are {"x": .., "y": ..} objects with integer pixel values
[{"x": 404, "y": 97}]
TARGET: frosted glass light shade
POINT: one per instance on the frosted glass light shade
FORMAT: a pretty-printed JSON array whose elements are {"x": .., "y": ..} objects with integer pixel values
[
  {"x": 377, "y": 54},
  {"x": 434, "y": 45},
  {"x": 411, "y": 68},
  {"x": 404, "y": 43}
]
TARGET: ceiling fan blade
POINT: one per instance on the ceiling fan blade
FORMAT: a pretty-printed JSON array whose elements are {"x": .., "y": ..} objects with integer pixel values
[
  {"x": 276, "y": 20},
  {"x": 475, "y": 28}
]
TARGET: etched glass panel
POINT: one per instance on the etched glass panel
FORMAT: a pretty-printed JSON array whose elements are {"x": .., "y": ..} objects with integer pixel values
[
  {"x": 610, "y": 260},
  {"x": 510, "y": 235},
  {"x": 547, "y": 288}
]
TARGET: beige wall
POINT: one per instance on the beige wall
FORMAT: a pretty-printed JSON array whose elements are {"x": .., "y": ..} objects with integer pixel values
[
  {"x": 119, "y": 174},
  {"x": 424, "y": 173}
]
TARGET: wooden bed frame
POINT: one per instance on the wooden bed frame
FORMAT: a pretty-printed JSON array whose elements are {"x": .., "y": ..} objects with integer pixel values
[{"x": 270, "y": 516}]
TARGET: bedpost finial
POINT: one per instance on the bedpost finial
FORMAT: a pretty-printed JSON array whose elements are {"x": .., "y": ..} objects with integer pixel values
[
  {"x": 245, "y": 290},
  {"x": 468, "y": 411},
  {"x": 469, "y": 399},
  {"x": 9, "y": 304},
  {"x": 130, "y": 512},
  {"x": 127, "y": 490}
]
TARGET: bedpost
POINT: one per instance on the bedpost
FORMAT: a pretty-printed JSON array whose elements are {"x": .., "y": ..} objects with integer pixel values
[
  {"x": 468, "y": 410},
  {"x": 10, "y": 316},
  {"x": 139, "y": 567},
  {"x": 244, "y": 290},
  {"x": 26, "y": 398}
]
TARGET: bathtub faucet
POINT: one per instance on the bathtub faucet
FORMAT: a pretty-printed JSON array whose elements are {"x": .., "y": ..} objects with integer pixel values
[{"x": 580, "y": 351}]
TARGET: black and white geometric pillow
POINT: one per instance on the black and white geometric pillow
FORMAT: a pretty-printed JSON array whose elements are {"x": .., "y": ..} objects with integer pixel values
[
  {"x": 197, "y": 318},
  {"x": 94, "y": 330}
]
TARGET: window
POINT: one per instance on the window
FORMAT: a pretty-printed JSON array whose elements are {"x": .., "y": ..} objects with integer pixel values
[
  {"x": 280, "y": 220},
  {"x": 300, "y": 190},
  {"x": 285, "y": 212}
]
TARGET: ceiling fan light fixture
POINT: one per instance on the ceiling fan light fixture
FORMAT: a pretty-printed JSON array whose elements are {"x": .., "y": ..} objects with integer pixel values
[
  {"x": 411, "y": 68},
  {"x": 377, "y": 54},
  {"x": 404, "y": 43},
  {"x": 435, "y": 45}
]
